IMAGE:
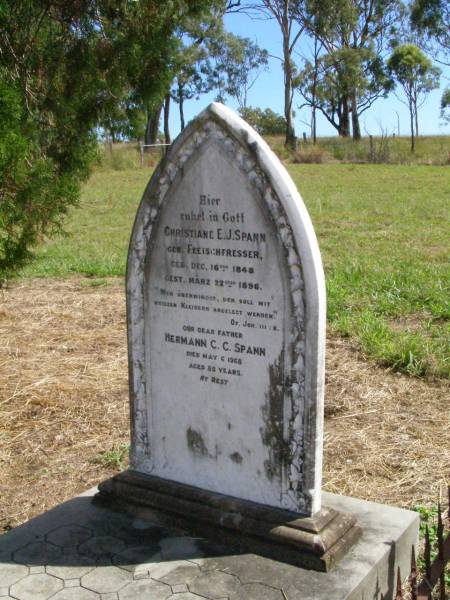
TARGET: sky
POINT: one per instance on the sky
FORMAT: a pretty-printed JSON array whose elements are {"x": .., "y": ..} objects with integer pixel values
[{"x": 268, "y": 92}]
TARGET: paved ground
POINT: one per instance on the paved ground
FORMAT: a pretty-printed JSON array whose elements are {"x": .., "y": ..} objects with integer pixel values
[{"x": 80, "y": 551}]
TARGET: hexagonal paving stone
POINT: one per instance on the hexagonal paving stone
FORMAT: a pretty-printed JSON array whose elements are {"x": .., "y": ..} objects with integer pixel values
[
  {"x": 11, "y": 573},
  {"x": 214, "y": 585},
  {"x": 71, "y": 566},
  {"x": 144, "y": 590},
  {"x": 69, "y": 535},
  {"x": 37, "y": 553},
  {"x": 76, "y": 594},
  {"x": 106, "y": 579},
  {"x": 36, "y": 587},
  {"x": 257, "y": 591},
  {"x": 105, "y": 545},
  {"x": 176, "y": 548},
  {"x": 137, "y": 559}
]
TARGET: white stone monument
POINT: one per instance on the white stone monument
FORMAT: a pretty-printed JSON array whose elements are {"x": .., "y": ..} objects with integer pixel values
[{"x": 226, "y": 334}]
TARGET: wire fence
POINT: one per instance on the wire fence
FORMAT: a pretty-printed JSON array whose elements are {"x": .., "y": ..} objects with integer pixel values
[{"x": 143, "y": 146}]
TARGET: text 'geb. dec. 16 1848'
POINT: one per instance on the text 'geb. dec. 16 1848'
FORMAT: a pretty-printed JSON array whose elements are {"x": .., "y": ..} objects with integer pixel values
[{"x": 226, "y": 322}]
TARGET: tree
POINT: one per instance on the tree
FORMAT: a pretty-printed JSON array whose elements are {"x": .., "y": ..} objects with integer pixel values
[
  {"x": 417, "y": 76},
  {"x": 266, "y": 122},
  {"x": 342, "y": 83},
  {"x": 65, "y": 68},
  {"x": 241, "y": 62},
  {"x": 354, "y": 35},
  {"x": 285, "y": 13},
  {"x": 432, "y": 17},
  {"x": 445, "y": 106}
]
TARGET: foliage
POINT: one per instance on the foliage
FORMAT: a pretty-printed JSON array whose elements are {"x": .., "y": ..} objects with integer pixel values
[
  {"x": 433, "y": 18},
  {"x": 429, "y": 519},
  {"x": 417, "y": 76},
  {"x": 66, "y": 68},
  {"x": 445, "y": 106},
  {"x": 240, "y": 61},
  {"x": 349, "y": 75},
  {"x": 340, "y": 75},
  {"x": 266, "y": 122},
  {"x": 116, "y": 458}
]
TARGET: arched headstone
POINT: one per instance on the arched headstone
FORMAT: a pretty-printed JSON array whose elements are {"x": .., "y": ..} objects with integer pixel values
[{"x": 226, "y": 328}]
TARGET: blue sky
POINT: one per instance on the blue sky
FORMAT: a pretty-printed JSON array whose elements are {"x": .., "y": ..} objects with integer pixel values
[{"x": 268, "y": 92}]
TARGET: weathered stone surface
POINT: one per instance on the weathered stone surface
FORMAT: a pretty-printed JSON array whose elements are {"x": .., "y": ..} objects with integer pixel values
[
  {"x": 143, "y": 590},
  {"x": 214, "y": 585},
  {"x": 69, "y": 535},
  {"x": 185, "y": 572},
  {"x": 388, "y": 534},
  {"x": 11, "y": 573},
  {"x": 176, "y": 548},
  {"x": 181, "y": 587},
  {"x": 71, "y": 566},
  {"x": 36, "y": 587},
  {"x": 76, "y": 594},
  {"x": 174, "y": 571},
  {"x": 256, "y": 590},
  {"x": 137, "y": 559},
  {"x": 106, "y": 579},
  {"x": 226, "y": 299},
  {"x": 102, "y": 546},
  {"x": 185, "y": 596},
  {"x": 37, "y": 553}
]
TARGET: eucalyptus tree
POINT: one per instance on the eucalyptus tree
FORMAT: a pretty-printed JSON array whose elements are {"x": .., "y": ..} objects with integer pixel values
[
  {"x": 417, "y": 76},
  {"x": 354, "y": 36},
  {"x": 285, "y": 13},
  {"x": 432, "y": 18},
  {"x": 235, "y": 65}
]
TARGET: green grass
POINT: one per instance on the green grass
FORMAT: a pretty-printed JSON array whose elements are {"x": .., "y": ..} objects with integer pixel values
[
  {"x": 384, "y": 237},
  {"x": 115, "y": 458},
  {"x": 383, "y": 231}
]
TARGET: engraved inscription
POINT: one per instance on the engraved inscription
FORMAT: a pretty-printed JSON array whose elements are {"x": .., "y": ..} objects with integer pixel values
[{"x": 217, "y": 303}]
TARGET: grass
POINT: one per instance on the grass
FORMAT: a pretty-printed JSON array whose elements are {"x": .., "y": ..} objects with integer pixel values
[
  {"x": 383, "y": 233},
  {"x": 116, "y": 458},
  {"x": 430, "y": 150}
]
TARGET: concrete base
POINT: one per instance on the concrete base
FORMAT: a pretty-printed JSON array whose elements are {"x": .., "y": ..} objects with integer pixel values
[{"x": 79, "y": 551}]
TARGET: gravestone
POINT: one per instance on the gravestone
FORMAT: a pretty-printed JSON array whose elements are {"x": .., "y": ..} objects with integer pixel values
[{"x": 226, "y": 332}]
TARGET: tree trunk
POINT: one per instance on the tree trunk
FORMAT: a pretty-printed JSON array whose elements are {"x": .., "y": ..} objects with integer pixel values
[
  {"x": 411, "y": 116},
  {"x": 416, "y": 117},
  {"x": 288, "y": 92},
  {"x": 344, "y": 119},
  {"x": 181, "y": 107},
  {"x": 166, "y": 119},
  {"x": 355, "y": 120},
  {"x": 314, "y": 124},
  {"x": 152, "y": 128}
]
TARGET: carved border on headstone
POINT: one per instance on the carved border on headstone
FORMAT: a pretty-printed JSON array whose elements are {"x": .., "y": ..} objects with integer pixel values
[{"x": 306, "y": 284}]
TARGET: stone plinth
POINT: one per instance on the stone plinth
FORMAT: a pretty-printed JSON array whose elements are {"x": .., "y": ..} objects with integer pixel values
[{"x": 80, "y": 551}]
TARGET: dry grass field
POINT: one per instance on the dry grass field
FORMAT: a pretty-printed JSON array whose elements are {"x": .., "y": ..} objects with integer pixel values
[{"x": 64, "y": 406}]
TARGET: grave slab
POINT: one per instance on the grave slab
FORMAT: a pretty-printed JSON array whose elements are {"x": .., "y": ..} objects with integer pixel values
[{"x": 196, "y": 566}]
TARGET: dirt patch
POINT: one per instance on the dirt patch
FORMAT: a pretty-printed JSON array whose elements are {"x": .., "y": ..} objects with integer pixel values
[{"x": 64, "y": 405}]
